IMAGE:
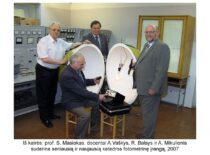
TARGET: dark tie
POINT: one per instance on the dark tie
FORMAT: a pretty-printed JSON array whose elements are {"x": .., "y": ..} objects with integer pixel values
[
  {"x": 80, "y": 74},
  {"x": 97, "y": 42},
  {"x": 144, "y": 51}
]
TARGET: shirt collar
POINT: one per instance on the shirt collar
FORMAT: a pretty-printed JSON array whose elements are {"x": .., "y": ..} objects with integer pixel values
[
  {"x": 95, "y": 35},
  {"x": 52, "y": 40},
  {"x": 150, "y": 43}
]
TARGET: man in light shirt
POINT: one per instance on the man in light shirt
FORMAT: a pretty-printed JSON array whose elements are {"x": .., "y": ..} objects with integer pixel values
[{"x": 51, "y": 51}]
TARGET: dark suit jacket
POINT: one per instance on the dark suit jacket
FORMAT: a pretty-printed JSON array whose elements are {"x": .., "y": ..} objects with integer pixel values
[
  {"x": 74, "y": 92},
  {"x": 151, "y": 69},
  {"x": 104, "y": 44}
]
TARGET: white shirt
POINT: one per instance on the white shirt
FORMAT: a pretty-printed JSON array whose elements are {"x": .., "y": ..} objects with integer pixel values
[
  {"x": 150, "y": 43},
  {"x": 99, "y": 41},
  {"x": 48, "y": 47}
]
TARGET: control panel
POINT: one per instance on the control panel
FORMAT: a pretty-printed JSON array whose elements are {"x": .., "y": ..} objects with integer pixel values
[
  {"x": 68, "y": 34},
  {"x": 25, "y": 48},
  {"x": 25, "y": 54}
]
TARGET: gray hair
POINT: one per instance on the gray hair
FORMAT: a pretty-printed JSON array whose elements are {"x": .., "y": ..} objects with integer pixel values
[
  {"x": 74, "y": 58},
  {"x": 54, "y": 23},
  {"x": 155, "y": 27}
]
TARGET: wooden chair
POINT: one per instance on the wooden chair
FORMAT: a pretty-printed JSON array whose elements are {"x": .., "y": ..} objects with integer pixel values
[
  {"x": 71, "y": 119},
  {"x": 112, "y": 121}
]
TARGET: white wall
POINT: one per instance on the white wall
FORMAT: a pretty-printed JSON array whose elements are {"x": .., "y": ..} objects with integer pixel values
[
  {"x": 190, "y": 97},
  {"x": 123, "y": 21},
  {"x": 55, "y": 13}
]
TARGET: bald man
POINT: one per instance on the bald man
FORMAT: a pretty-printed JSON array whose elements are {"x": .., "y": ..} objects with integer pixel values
[
  {"x": 50, "y": 51},
  {"x": 150, "y": 78},
  {"x": 75, "y": 96}
]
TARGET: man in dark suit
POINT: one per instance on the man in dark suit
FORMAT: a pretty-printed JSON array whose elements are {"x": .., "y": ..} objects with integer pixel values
[
  {"x": 96, "y": 38},
  {"x": 151, "y": 78},
  {"x": 75, "y": 96}
]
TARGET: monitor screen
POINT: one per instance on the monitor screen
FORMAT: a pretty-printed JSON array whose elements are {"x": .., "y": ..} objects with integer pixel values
[
  {"x": 30, "y": 40},
  {"x": 19, "y": 40},
  {"x": 111, "y": 93}
]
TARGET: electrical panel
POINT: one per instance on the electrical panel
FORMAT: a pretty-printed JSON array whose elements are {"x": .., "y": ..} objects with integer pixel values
[
  {"x": 76, "y": 34},
  {"x": 68, "y": 34},
  {"x": 25, "y": 54},
  {"x": 25, "y": 47}
]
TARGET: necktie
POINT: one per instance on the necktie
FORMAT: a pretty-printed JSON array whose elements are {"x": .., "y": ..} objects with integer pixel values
[
  {"x": 144, "y": 51},
  {"x": 80, "y": 74},
  {"x": 97, "y": 42}
]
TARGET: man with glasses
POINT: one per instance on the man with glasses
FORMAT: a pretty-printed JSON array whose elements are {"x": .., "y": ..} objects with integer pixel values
[
  {"x": 151, "y": 78},
  {"x": 50, "y": 51}
]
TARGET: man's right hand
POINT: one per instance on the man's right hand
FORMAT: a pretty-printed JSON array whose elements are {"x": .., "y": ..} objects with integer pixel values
[
  {"x": 102, "y": 97},
  {"x": 87, "y": 42},
  {"x": 63, "y": 61}
]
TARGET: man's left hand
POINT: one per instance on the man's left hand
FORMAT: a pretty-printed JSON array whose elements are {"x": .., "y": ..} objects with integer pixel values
[
  {"x": 151, "y": 92},
  {"x": 96, "y": 81}
]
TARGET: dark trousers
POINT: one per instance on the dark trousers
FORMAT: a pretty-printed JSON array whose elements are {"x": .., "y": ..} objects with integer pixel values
[
  {"x": 95, "y": 113},
  {"x": 46, "y": 86},
  {"x": 150, "y": 108}
]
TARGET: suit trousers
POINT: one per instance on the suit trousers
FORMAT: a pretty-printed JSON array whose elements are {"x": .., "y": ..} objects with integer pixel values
[
  {"x": 82, "y": 121},
  {"x": 46, "y": 87},
  {"x": 150, "y": 108},
  {"x": 95, "y": 113},
  {"x": 84, "y": 118}
]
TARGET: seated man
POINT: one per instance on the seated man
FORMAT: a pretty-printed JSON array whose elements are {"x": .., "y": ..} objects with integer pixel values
[{"x": 76, "y": 97}]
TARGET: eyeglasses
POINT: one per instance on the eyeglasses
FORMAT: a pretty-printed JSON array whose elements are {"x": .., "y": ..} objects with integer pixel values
[
  {"x": 58, "y": 30},
  {"x": 149, "y": 32}
]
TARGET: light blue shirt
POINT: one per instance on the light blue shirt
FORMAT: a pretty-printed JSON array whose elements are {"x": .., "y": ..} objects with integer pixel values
[{"x": 55, "y": 49}]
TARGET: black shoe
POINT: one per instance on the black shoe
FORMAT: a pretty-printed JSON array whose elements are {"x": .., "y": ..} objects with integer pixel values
[
  {"x": 140, "y": 136},
  {"x": 55, "y": 117},
  {"x": 47, "y": 123},
  {"x": 95, "y": 128}
]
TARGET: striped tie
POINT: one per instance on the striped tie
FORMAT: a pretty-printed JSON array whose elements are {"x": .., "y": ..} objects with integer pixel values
[{"x": 97, "y": 42}]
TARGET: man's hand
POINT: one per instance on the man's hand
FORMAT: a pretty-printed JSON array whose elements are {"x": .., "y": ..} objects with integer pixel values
[
  {"x": 63, "y": 61},
  {"x": 76, "y": 44},
  {"x": 53, "y": 61},
  {"x": 97, "y": 80},
  {"x": 102, "y": 97},
  {"x": 151, "y": 92},
  {"x": 86, "y": 42}
]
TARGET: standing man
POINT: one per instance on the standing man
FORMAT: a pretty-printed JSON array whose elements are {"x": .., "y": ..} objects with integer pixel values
[
  {"x": 96, "y": 38},
  {"x": 151, "y": 78},
  {"x": 76, "y": 97},
  {"x": 51, "y": 51}
]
